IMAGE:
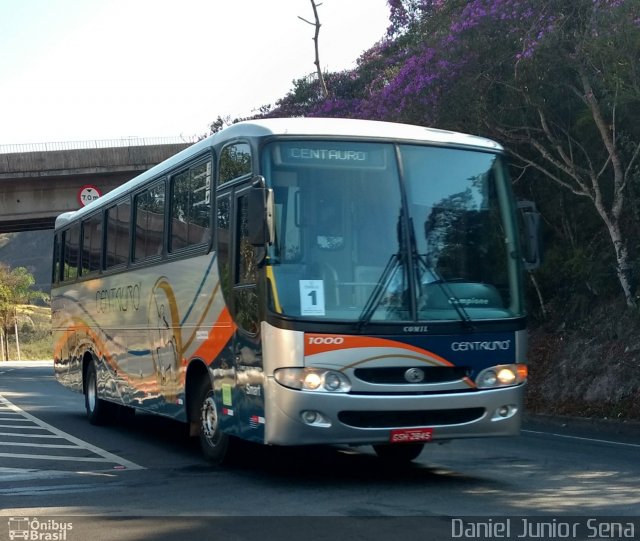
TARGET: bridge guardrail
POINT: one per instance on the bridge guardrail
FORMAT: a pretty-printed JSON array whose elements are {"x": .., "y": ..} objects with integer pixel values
[{"x": 21, "y": 148}]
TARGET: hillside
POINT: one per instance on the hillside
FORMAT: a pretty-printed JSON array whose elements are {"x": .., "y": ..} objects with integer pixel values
[
  {"x": 30, "y": 249},
  {"x": 588, "y": 367}
]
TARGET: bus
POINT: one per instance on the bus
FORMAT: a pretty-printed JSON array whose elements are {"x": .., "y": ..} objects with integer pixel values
[{"x": 303, "y": 281}]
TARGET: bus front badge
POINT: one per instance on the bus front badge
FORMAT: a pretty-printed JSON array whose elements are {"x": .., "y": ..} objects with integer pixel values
[{"x": 414, "y": 375}]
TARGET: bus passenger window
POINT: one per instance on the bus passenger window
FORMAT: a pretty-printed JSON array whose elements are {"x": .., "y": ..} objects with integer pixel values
[
  {"x": 191, "y": 207},
  {"x": 71, "y": 252},
  {"x": 149, "y": 232},
  {"x": 118, "y": 225},
  {"x": 235, "y": 162},
  {"x": 91, "y": 245}
]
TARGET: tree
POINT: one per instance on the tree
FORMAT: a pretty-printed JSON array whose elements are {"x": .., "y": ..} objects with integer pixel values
[
  {"x": 565, "y": 105},
  {"x": 16, "y": 287},
  {"x": 557, "y": 80}
]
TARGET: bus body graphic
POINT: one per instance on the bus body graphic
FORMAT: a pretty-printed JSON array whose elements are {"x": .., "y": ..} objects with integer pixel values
[{"x": 301, "y": 281}]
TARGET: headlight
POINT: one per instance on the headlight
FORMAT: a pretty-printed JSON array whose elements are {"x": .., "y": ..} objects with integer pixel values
[
  {"x": 503, "y": 375},
  {"x": 313, "y": 379}
]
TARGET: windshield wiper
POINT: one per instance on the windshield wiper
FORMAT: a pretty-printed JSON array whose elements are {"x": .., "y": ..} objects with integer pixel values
[
  {"x": 376, "y": 295},
  {"x": 418, "y": 262},
  {"x": 382, "y": 284},
  {"x": 441, "y": 283}
]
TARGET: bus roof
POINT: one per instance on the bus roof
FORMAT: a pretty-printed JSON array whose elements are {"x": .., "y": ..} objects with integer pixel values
[
  {"x": 348, "y": 127},
  {"x": 302, "y": 127}
]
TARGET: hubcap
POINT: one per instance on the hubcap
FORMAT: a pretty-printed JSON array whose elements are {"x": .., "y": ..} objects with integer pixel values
[{"x": 209, "y": 421}]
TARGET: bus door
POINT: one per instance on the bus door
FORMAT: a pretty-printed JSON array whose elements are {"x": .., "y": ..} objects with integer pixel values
[{"x": 241, "y": 377}]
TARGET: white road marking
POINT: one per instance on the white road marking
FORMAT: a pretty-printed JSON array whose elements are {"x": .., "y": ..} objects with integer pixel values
[
  {"x": 22, "y": 427},
  {"x": 106, "y": 456},
  {"x": 593, "y": 440},
  {"x": 19, "y": 435},
  {"x": 27, "y": 474},
  {"x": 39, "y": 445},
  {"x": 56, "y": 457}
]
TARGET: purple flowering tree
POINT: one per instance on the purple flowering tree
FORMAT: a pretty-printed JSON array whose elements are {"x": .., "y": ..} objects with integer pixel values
[
  {"x": 557, "y": 80},
  {"x": 563, "y": 95}
]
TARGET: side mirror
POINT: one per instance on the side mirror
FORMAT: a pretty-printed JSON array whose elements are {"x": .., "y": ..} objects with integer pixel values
[
  {"x": 531, "y": 243},
  {"x": 260, "y": 209}
]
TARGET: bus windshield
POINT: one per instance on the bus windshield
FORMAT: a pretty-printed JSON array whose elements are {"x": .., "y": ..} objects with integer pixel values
[{"x": 378, "y": 232}]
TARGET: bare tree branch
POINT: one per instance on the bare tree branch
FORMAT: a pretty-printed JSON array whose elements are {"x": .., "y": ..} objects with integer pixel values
[
  {"x": 321, "y": 80},
  {"x": 581, "y": 192}
]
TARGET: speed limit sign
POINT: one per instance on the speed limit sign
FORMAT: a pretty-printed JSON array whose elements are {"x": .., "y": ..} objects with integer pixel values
[{"x": 88, "y": 193}]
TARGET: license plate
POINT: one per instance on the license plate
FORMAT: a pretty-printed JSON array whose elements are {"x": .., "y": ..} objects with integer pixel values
[{"x": 411, "y": 435}]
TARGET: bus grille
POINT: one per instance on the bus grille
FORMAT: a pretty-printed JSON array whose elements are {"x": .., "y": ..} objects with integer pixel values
[
  {"x": 394, "y": 419},
  {"x": 396, "y": 375}
]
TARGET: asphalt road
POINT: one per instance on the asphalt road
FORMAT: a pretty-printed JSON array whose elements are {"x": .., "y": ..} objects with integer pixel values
[{"x": 145, "y": 479}]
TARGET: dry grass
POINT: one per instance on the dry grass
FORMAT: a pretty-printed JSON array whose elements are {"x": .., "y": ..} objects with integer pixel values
[{"x": 34, "y": 333}]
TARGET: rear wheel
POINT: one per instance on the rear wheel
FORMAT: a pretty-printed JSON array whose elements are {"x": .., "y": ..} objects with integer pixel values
[
  {"x": 99, "y": 411},
  {"x": 403, "y": 452},
  {"x": 213, "y": 442}
]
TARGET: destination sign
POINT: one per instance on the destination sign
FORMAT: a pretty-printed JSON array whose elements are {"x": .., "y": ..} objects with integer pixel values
[
  {"x": 332, "y": 154},
  {"x": 302, "y": 153}
]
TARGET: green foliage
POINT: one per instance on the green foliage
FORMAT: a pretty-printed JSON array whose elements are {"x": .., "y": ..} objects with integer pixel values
[
  {"x": 16, "y": 288},
  {"x": 556, "y": 80}
]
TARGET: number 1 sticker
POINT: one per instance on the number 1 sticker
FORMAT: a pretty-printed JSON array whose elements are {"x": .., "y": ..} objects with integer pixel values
[{"x": 312, "y": 297}]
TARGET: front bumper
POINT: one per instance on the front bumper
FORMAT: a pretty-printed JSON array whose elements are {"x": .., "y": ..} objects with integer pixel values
[{"x": 369, "y": 419}]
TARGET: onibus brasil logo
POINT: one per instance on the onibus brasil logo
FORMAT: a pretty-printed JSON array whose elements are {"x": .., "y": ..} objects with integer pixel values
[{"x": 38, "y": 530}]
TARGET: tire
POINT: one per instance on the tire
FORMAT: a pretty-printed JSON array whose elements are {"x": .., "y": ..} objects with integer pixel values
[
  {"x": 399, "y": 453},
  {"x": 99, "y": 412},
  {"x": 213, "y": 442}
]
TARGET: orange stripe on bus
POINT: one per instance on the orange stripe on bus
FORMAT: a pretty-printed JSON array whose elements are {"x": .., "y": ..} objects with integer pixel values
[
  {"x": 321, "y": 343},
  {"x": 219, "y": 336}
]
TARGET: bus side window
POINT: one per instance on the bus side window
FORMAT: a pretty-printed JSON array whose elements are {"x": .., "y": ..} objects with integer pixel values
[
  {"x": 149, "y": 231},
  {"x": 91, "y": 245},
  {"x": 71, "y": 252},
  {"x": 190, "y": 207},
  {"x": 235, "y": 162},
  {"x": 118, "y": 225}
]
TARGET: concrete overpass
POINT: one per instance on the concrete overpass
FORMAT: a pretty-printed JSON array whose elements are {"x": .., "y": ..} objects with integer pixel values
[{"x": 40, "y": 181}]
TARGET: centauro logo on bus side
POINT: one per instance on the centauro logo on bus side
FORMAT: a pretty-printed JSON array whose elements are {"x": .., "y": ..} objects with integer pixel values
[{"x": 118, "y": 299}]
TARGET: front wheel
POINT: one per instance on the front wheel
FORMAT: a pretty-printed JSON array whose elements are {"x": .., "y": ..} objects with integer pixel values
[
  {"x": 402, "y": 452},
  {"x": 213, "y": 442}
]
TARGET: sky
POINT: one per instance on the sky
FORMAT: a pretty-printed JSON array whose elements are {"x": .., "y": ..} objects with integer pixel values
[{"x": 76, "y": 70}]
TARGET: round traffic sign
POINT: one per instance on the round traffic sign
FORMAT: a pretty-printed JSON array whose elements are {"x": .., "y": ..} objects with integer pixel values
[{"x": 88, "y": 193}]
